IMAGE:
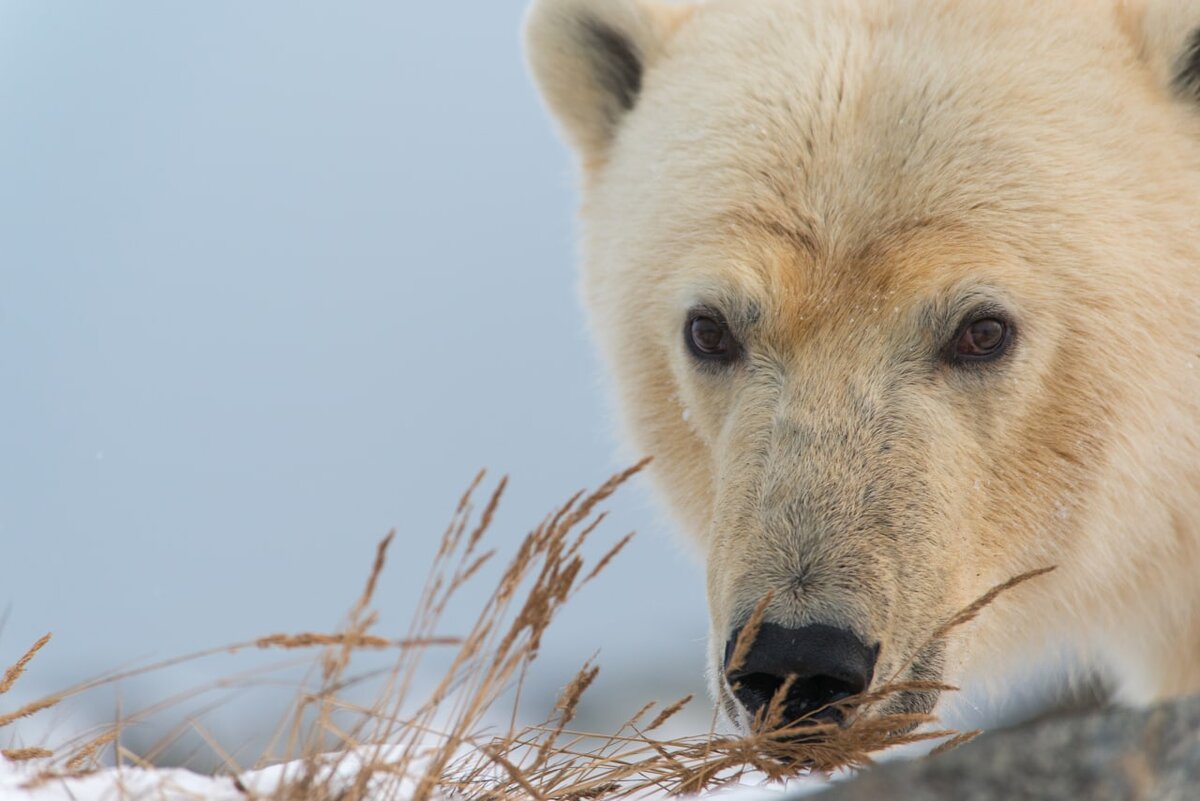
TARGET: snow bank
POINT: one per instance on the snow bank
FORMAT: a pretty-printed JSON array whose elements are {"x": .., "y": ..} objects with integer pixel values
[
  {"x": 21, "y": 783},
  {"x": 24, "y": 782}
]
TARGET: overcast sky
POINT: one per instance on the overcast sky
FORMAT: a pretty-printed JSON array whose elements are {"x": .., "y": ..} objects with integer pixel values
[{"x": 275, "y": 278}]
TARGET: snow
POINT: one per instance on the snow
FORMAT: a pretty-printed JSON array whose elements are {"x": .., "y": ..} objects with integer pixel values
[
  {"x": 21, "y": 783},
  {"x": 24, "y": 782}
]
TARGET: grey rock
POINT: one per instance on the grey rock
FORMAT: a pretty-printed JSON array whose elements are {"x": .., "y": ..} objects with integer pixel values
[{"x": 1111, "y": 755}]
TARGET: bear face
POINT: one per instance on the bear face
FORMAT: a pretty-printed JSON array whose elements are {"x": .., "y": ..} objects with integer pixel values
[{"x": 900, "y": 298}]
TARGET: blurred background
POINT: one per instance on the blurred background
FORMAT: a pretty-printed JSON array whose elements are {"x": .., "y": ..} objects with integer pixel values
[{"x": 275, "y": 278}]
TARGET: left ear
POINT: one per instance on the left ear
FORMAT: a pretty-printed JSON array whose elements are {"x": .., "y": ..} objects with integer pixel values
[
  {"x": 589, "y": 58},
  {"x": 1170, "y": 43}
]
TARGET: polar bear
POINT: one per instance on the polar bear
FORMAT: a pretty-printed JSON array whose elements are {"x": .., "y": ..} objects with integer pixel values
[{"x": 902, "y": 296}]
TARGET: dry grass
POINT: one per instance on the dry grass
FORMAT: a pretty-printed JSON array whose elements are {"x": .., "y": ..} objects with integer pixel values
[
  {"x": 10, "y": 678},
  {"x": 438, "y": 745},
  {"x": 25, "y": 754},
  {"x": 13, "y": 673}
]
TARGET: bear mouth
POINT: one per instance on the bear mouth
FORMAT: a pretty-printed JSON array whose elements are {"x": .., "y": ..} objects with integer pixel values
[
  {"x": 840, "y": 713},
  {"x": 843, "y": 732}
]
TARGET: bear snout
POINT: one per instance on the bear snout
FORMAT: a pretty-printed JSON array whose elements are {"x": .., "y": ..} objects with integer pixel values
[{"x": 817, "y": 666}]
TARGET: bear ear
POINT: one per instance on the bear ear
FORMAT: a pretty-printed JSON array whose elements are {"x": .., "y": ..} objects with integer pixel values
[
  {"x": 1170, "y": 44},
  {"x": 1187, "y": 67},
  {"x": 589, "y": 58}
]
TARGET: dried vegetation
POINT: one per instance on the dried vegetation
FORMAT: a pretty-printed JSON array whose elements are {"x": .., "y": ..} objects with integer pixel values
[{"x": 438, "y": 746}]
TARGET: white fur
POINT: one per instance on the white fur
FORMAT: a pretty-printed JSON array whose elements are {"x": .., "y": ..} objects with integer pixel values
[{"x": 844, "y": 164}]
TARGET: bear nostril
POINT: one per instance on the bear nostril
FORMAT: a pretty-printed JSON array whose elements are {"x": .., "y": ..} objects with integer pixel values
[
  {"x": 811, "y": 697},
  {"x": 820, "y": 664},
  {"x": 755, "y": 690}
]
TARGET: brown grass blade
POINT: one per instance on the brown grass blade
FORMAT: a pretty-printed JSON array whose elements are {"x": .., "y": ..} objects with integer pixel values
[
  {"x": 954, "y": 742},
  {"x": 669, "y": 712},
  {"x": 25, "y": 754},
  {"x": 89, "y": 751},
  {"x": 368, "y": 593},
  {"x": 349, "y": 639},
  {"x": 608, "y": 557},
  {"x": 29, "y": 710},
  {"x": 13, "y": 673},
  {"x": 972, "y": 611},
  {"x": 748, "y": 634},
  {"x": 485, "y": 520},
  {"x": 516, "y": 775}
]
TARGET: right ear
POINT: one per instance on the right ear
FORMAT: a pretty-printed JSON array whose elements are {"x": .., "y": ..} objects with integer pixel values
[{"x": 589, "y": 58}]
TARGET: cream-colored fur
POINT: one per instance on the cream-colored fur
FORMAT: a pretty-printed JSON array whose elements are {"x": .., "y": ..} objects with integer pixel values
[{"x": 841, "y": 179}]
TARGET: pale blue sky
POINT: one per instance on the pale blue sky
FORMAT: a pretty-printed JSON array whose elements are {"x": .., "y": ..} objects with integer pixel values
[{"x": 276, "y": 277}]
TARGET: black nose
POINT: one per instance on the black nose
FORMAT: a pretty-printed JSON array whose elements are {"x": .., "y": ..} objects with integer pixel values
[{"x": 829, "y": 664}]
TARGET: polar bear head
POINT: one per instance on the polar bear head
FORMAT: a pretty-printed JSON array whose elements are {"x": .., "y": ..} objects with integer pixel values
[{"x": 901, "y": 296}]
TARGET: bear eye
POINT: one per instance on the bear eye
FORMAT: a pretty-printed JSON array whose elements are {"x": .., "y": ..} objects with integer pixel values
[
  {"x": 708, "y": 337},
  {"x": 982, "y": 339}
]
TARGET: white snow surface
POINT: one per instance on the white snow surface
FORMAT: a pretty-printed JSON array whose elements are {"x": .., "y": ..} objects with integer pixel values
[
  {"x": 19, "y": 782},
  {"x": 24, "y": 782}
]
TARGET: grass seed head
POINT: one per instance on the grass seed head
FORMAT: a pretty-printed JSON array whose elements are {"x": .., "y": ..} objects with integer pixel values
[{"x": 13, "y": 673}]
